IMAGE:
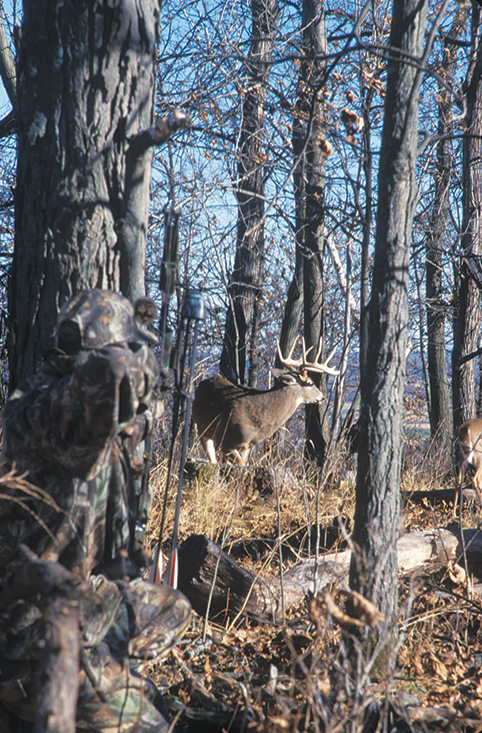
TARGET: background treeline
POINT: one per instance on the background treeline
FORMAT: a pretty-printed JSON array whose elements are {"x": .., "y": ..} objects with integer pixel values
[{"x": 276, "y": 183}]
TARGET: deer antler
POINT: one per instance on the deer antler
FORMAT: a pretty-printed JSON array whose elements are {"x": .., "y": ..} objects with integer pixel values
[{"x": 302, "y": 363}]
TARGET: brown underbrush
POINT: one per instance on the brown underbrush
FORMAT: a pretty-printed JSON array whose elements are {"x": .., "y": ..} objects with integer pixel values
[{"x": 262, "y": 677}]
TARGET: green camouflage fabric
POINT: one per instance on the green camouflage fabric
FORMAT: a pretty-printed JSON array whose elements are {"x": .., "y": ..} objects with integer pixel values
[
  {"x": 94, "y": 318},
  {"x": 125, "y": 625},
  {"x": 73, "y": 430},
  {"x": 148, "y": 622}
]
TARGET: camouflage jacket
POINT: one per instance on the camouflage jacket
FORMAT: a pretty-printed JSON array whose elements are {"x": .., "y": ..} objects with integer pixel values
[{"x": 73, "y": 429}]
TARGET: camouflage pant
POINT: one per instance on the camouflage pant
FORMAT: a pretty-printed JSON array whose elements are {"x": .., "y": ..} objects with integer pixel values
[
  {"x": 122, "y": 629},
  {"x": 114, "y": 694}
]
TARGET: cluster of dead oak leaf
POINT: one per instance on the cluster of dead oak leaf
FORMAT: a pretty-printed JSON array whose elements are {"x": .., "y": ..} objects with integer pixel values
[
  {"x": 353, "y": 123},
  {"x": 362, "y": 611}
]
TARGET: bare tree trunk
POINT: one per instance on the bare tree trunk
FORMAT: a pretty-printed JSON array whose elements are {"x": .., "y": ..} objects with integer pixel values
[
  {"x": 253, "y": 370},
  {"x": 467, "y": 300},
  {"x": 309, "y": 189},
  {"x": 86, "y": 86},
  {"x": 247, "y": 276},
  {"x": 7, "y": 66},
  {"x": 367, "y": 226},
  {"x": 374, "y": 569},
  {"x": 293, "y": 312},
  {"x": 439, "y": 404}
]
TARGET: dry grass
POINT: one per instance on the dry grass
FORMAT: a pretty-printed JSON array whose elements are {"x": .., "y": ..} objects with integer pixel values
[
  {"x": 298, "y": 678},
  {"x": 218, "y": 504}
]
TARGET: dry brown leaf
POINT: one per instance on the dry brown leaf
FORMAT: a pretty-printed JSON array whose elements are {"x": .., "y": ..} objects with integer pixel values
[
  {"x": 364, "y": 612},
  {"x": 273, "y": 725},
  {"x": 362, "y": 608},
  {"x": 339, "y": 616},
  {"x": 457, "y": 574},
  {"x": 208, "y": 671},
  {"x": 352, "y": 120},
  {"x": 438, "y": 667},
  {"x": 325, "y": 146},
  {"x": 417, "y": 664}
]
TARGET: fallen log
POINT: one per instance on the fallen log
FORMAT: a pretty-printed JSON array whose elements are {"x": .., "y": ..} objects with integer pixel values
[
  {"x": 433, "y": 496},
  {"x": 209, "y": 577}
]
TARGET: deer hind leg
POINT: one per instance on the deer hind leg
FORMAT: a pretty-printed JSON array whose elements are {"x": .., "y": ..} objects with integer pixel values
[
  {"x": 477, "y": 482},
  {"x": 244, "y": 455},
  {"x": 208, "y": 446},
  {"x": 238, "y": 456},
  {"x": 461, "y": 468}
]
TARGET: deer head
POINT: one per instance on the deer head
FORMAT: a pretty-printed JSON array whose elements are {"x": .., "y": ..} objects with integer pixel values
[{"x": 234, "y": 419}]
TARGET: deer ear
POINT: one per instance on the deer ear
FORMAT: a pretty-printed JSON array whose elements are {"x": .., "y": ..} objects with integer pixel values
[
  {"x": 285, "y": 377},
  {"x": 277, "y": 373}
]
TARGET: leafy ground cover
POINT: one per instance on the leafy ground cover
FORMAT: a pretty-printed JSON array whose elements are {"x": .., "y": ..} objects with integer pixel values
[{"x": 235, "y": 674}]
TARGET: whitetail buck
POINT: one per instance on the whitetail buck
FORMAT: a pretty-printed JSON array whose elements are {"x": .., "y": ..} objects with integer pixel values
[
  {"x": 470, "y": 454},
  {"x": 234, "y": 419}
]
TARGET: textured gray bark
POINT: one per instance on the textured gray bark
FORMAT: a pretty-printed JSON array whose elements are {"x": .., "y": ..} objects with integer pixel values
[
  {"x": 440, "y": 408},
  {"x": 309, "y": 189},
  {"x": 367, "y": 227},
  {"x": 247, "y": 277},
  {"x": 467, "y": 297},
  {"x": 7, "y": 66},
  {"x": 374, "y": 569},
  {"x": 290, "y": 327},
  {"x": 86, "y": 83}
]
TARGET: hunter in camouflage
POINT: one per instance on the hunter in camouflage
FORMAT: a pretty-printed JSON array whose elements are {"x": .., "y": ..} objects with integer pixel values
[{"x": 73, "y": 430}]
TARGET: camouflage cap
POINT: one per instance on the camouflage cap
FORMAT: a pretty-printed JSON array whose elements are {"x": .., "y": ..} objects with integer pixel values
[{"x": 95, "y": 318}]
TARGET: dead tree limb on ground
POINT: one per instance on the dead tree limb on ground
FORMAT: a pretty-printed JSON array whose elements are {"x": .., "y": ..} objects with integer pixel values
[{"x": 204, "y": 567}]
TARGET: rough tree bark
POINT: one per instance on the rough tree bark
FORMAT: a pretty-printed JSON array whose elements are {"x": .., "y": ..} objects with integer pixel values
[
  {"x": 467, "y": 296},
  {"x": 86, "y": 83},
  {"x": 366, "y": 227},
  {"x": 439, "y": 407},
  {"x": 7, "y": 66},
  {"x": 373, "y": 569},
  {"x": 309, "y": 191},
  {"x": 293, "y": 312},
  {"x": 245, "y": 286}
]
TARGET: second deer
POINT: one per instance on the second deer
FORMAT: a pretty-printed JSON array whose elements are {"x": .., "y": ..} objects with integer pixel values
[
  {"x": 234, "y": 419},
  {"x": 470, "y": 454}
]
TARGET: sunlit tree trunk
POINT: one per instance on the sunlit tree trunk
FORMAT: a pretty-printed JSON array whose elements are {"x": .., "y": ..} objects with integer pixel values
[
  {"x": 309, "y": 150},
  {"x": 467, "y": 296},
  {"x": 366, "y": 228},
  {"x": 247, "y": 277},
  {"x": 374, "y": 567},
  {"x": 439, "y": 407}
]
